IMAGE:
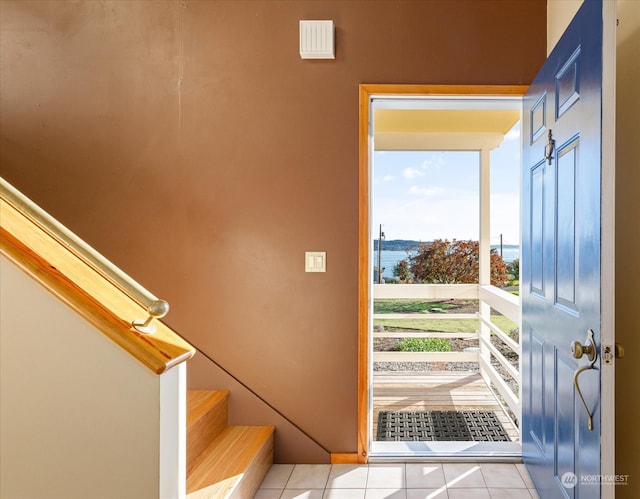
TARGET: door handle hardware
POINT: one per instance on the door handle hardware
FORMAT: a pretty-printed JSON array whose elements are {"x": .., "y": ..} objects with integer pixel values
[
  {"x": 548, "y": 149},
  {"x": 609, "y": 352},
  {"x": 578, "y": 350}
]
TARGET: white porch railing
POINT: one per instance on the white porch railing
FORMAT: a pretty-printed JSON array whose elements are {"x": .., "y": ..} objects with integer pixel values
[{"x": 489, "y": 297}]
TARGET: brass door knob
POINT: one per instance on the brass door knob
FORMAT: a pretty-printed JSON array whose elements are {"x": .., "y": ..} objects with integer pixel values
[{"x": 578, "y": 350}]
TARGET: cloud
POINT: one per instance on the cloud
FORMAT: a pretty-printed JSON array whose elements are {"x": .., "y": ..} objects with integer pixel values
[
  {"x": 389, "y": 178},
  {"x": 435, "y": 162},
  {"x": 412, "y": 173},
  {"x": 425, "y": 191},
  {"x": 424, "y": 219},
  {"x": 513, "y": 134},
  {"x": 435, "y": 195}
]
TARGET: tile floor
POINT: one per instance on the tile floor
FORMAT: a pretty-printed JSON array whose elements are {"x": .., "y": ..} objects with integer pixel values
[{"x": 397, "y": 481}]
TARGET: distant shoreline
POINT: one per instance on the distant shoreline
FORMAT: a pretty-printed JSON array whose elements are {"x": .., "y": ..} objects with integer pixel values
[
  {"x": 399, "y": 249},
  {"x": 406, "y": 244}
]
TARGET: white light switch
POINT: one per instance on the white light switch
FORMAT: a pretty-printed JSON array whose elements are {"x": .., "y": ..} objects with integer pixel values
[{"x": 315, "y": 261}]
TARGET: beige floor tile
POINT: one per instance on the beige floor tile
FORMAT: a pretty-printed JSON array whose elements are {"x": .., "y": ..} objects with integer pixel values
[
  {"x": 522, "y": 469},
  {"x": 268, "y": 494},
  {"x": 386, "y": 476},
  {"x": 470, "y": 493},
  {"x": 344, "y": 494},
  {"x": 440, "y": 493},
  {"x": 502, "y": 475},
  {"x": 509, "y": 493},
  {"x": 463, "y": 475},
  {"x": 398, "y": 481},
  {"x": 309, "y": 476},
  {"x": 424, "y": 476},
  {"x": 302, "y": 494},
  {"x": 386, "y": 494},
  {"x": 277, "y": 477},
  {"x": 348, "y": 476}
]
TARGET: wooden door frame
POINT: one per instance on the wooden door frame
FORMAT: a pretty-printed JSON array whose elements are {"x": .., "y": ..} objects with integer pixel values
[{"x": 366, "y": 93}]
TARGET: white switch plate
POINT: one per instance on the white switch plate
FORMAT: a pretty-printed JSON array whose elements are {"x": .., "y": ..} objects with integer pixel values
[{"x": 315, "y": 261}]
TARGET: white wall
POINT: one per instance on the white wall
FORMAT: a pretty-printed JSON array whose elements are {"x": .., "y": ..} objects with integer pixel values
[{"x": 79, "y": 417}]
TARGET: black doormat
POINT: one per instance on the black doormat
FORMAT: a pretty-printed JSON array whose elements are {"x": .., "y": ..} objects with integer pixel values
[{"x": 440, "y": 426}]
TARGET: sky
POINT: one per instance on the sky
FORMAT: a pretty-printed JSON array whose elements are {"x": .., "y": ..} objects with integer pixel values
[{"x": 424, "y": 195}]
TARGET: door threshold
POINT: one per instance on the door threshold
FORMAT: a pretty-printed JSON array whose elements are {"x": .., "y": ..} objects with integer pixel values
[{"x": 504, "y": 452}]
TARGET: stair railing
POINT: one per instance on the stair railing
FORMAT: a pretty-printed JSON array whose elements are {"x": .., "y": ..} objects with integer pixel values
[{"x": 156, "y": 308}]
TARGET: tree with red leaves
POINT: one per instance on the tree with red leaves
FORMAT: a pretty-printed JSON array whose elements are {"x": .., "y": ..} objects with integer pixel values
[{"x": 454, "y": 262}]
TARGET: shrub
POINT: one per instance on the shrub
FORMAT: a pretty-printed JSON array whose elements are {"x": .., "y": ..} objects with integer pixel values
[
  {"x": 423, "y": 345},
  {"x": 401, "y": 270},
  {"x": 454, "y": 262},
  {"x": 513, "y": 268}
]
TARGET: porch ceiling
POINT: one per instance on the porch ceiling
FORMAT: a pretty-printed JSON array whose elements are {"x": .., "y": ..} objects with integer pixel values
[{"x": 441, "y": 129}]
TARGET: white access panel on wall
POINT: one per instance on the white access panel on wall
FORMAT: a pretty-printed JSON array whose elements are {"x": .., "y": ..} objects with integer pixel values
[{"x": 317, "y": 40}]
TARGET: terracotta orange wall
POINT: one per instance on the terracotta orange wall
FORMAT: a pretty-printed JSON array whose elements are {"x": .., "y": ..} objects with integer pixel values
[{"x": 190, "y": 144}]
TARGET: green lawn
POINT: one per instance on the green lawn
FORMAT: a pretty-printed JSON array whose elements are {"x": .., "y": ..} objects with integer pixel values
[
  {"x": 408, "y": 306},
  {"x": 446, "y": 325}
]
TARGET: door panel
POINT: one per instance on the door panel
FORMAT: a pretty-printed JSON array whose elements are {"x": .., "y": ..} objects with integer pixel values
[
  {"x": 565, "y": 225},
  {"x": 561, "y": 260},
  {"x": 537, "y": 229}
]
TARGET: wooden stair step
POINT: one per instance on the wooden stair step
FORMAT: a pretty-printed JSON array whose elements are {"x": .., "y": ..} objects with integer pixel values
[
  {"x": 207, "y": 416},
  {"x": 234, "y": 463}
]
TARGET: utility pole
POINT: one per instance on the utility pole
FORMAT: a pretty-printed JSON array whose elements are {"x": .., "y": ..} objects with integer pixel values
[
  {"x": 500, "y": 245},
  {"x": 380, "y": 238}
]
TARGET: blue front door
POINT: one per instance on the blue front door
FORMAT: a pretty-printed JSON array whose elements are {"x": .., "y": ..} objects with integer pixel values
[{"x": 561, "y": 268}]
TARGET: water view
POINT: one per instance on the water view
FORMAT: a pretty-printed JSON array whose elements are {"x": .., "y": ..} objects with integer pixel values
[{"x": 390, "y": 258}]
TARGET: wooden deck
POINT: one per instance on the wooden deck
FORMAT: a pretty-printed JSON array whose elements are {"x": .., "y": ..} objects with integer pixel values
[{"x": 436, "y": 390}]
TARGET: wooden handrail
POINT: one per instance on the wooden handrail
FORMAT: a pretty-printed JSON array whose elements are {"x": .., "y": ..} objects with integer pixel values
[
  {"x": 95, "y": 260},
  {"x": 86, "y": 281}
]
